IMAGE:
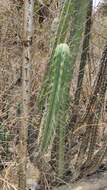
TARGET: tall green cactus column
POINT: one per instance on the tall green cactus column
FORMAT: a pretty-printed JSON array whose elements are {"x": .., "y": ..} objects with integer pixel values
[
  {"x": 55, "y": 114},
  {"x": 74, "y": 11},
  {"x": 60, "y": 36}
]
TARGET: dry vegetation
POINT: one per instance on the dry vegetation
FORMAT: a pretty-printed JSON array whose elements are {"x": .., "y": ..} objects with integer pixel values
[{"x": 11, "y": 45}]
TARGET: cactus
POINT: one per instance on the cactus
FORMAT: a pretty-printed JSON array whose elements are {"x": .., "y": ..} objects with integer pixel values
[
  {"x": 55, "y": 114},
  {"x": 60, "y": 36},
  {"x": 76, "y": 11}
]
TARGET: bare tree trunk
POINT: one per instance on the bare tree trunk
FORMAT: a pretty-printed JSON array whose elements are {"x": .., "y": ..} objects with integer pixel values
[{"x": 26, "y": 83}]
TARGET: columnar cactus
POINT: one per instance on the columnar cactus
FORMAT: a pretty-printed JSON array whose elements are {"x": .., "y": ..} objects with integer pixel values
[
  {"x": 55, "y": 113},
  {"x": 72, "y": 10},
  {"x": 60, "y": 36}
]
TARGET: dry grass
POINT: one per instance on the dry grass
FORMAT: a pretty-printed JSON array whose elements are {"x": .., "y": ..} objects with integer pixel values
[{"x": 11, "y": 37}]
